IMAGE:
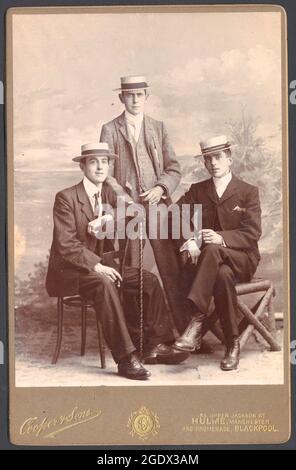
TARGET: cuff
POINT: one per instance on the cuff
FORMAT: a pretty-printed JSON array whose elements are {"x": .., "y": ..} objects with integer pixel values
[
  {"x": 165, "y": 189},
  {"x": 186, "y": 244}
]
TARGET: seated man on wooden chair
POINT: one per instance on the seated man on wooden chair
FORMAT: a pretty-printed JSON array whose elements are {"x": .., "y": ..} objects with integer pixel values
[
  {"x": 231, "y": 228},
  {"x": 76, "y": 267}
]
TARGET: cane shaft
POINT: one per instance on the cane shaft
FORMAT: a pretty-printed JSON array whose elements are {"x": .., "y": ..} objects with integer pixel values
[{"x": 141, "y": 287}]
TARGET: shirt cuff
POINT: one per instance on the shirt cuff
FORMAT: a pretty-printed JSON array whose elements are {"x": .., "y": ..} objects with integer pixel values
[
  {"x": 165, "y": 194},
  {"x": 185, "y": 245}
]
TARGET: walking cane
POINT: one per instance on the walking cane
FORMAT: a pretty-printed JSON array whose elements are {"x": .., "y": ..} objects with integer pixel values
[{"x": 141, "y": 285}]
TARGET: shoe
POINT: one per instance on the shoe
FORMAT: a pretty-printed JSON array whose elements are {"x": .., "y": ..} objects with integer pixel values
[
  {"x": 231, "y": 359},
  {"x": 191, "y": 338},
  {"x": 131, "y": 368},
  {"x": 163, "y": 354}
]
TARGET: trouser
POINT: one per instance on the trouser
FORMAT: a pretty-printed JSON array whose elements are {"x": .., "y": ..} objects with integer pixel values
[
  {"x": 169, "y": 269},
  {"x": 121, "y": 323},
  {"x": 217, "y": 271}
]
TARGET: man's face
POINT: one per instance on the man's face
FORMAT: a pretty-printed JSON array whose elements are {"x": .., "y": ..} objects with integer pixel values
[
  {"x": 218, "y": 163},
  {"x": 134, "y": 102},
  {"x": 95, "y": 169}
]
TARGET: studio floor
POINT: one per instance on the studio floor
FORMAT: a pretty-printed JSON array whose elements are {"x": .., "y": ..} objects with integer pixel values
[{"x": 35, "y": 340}]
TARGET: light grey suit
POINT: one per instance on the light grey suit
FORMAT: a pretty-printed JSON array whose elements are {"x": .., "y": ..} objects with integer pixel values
[
  {"x": 124, "y": 179},
  {"x": 159, "y": 148}
]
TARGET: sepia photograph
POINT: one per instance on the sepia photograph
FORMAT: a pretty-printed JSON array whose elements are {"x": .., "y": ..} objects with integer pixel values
[{"x": 147, "y": 198}]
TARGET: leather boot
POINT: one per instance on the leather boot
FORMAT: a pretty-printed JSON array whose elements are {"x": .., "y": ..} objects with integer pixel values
[
  {"x": 191, "y": 338},
  {"x": 231, "y": 359},
  {"x": 164, "y": 354}
]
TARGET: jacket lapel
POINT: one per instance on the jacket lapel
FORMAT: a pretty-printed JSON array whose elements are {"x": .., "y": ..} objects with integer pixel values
[
  {"x": 84, "y": 201},
  {"x": 230, "y": 190},
  {"x": 122, "y": 127},
  {"x": 105, "y": 198},
  {"x": 148, "y": 131},
  {"x": 151, "y": 144},
  {"x": 211, "y": 191}
]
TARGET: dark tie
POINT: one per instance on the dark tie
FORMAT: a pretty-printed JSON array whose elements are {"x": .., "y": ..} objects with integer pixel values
[{"x": 97, "y": 204}]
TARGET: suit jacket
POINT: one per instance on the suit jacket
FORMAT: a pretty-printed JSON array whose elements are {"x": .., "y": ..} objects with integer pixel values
[
  {"x": 73, "y": 248},
  {"x": 237, "y": 211},
  {"x": 161, "y": 152}
]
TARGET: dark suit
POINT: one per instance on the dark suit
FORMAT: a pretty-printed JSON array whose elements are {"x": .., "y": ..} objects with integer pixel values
[
  {"x": 236, "y": 216},
  {"x": 74, "y": 253}
]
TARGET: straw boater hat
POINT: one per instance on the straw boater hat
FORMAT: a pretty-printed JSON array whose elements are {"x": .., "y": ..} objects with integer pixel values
[
  {"x": 215, "y": 144},
  {"x": 132, "y": 83},
  {"x": 100, "y": 149}
]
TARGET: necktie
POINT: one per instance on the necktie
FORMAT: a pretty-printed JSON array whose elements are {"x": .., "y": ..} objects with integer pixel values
[
  {"x": 98, "y": 206},
  {"x": 132, "y": 130}
]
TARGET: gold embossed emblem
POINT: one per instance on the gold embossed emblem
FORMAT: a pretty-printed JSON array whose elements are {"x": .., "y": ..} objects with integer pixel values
[{"x": 143, "y": 423}]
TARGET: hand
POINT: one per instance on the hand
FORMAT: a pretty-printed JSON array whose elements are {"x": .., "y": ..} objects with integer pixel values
[
  {"x": 125, "y": 199},
  {"x": 110, "y": 273},
  {"x": 96, "y": 225},
  {"x": 192, "y": 249},
  {"x": 153, "y": 195},
  {"x": 210, "y": 236}
]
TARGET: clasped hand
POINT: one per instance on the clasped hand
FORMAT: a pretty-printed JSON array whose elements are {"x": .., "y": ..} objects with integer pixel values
[
  {"x": 153, "y": 196},
  {"x": 208, "y": 236}
]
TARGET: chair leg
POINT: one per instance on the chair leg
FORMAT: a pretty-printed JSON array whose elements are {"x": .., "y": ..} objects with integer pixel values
[
  {"x": 271, "y": 317},
  {"x": 101, "y": 343},
  {"x": 255, "y": 323},
  {"x": 83, "y": 326},
  {"x": 60, "y": 314}
]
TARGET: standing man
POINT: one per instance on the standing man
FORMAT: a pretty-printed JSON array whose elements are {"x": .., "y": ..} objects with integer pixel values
[
  {"x": 147, "y": 168},
  {"x": 231, "y": 221},
  {"x": 77, "y": 266},
  {"x": 146, "y": 172}
]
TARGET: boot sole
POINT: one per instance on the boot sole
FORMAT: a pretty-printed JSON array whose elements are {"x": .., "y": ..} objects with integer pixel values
[
  {"x": 184, "y": 349},
  {"x": 225, "y": 369},
  {"x": 169, "y": 360},
  {"x": 143, "y": 377}
]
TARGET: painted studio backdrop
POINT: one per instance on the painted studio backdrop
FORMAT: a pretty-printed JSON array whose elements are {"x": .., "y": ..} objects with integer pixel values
[{"x": 209, "y": 74}]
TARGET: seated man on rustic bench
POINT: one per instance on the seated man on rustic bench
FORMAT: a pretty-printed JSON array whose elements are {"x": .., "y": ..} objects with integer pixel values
[{"x": 231, "y": 228}]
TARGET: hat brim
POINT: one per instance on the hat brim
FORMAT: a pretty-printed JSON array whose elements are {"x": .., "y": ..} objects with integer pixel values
[
  {"x": 131, "y": 90},
  {"x": 226, "y": 147},
  {"x": 83, "y": 157}
]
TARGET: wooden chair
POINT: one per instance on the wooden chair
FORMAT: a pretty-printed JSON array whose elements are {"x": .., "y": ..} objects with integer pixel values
[
  {"x": 85, "y": 304},
  {"x": 260, "y": 317}
]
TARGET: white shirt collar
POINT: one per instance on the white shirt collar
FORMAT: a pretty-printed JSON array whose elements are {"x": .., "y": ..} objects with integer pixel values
[
  {"x": 90, "y": 188},
  {"x": 136, "y": 120},
  {"x": 224, "y": 181}
]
